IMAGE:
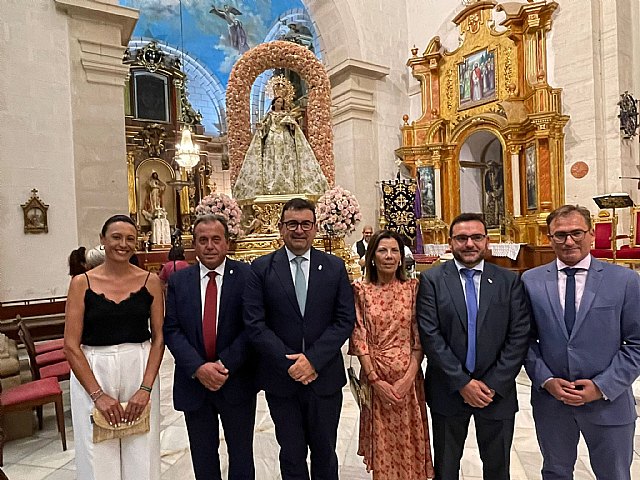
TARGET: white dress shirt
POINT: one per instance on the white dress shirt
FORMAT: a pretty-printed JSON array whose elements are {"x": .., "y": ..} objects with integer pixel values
[
  {"x": 581, "y": 279},
  {"x": 204, "y": 281}
]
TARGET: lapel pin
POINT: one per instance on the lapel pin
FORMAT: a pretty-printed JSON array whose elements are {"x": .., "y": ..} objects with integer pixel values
[
  {"x": 319, "y": 267},
  {"x": 489, "y": 280},
  {"x": 230, "y": 272}
]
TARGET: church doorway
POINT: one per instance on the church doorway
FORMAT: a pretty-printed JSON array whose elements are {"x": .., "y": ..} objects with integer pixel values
[{"x": 482, "y": 177}]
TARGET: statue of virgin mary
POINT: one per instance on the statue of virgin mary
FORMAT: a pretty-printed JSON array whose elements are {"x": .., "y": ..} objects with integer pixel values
[{"x": 279, "y": 159}]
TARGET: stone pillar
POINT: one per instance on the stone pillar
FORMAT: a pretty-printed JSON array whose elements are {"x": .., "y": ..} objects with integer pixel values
[
  {"x": 98, "y": 34},
  {"x": 353, "y": 86}
]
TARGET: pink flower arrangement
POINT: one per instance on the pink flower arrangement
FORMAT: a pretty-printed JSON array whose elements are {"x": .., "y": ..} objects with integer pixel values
[
  {"x": 340, "y": 209},
  {"x": 221, "y": 204}
]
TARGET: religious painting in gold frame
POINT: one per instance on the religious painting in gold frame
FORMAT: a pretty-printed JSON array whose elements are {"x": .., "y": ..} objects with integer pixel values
[
  {"x": 531, "y": 174},
  {"x": 477, "y": 78},
  {"x": 35, "y": 214}
]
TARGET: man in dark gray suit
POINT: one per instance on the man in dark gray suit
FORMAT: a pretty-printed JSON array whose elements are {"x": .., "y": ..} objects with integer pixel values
[
  {"x": 584, "y": 352},
  {"x": 299, "y": 311},
  {"x": 474, "y": 328}
]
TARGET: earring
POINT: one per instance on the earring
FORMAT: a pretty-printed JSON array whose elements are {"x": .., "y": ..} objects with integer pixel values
[
  {"x": 373, "y": 264},
  {"x": 400, "y": 263}
]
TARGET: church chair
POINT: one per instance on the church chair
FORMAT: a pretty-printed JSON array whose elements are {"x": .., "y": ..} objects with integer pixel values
[
  {"x": 42, "y": 358},
  {"x": 32, "y": 395},
  {"x": 631, "y": 254},
  {"x": 45, "y": 346},
  {"x": 604, "y": 245},
  {"x": 41, "y": 365}
]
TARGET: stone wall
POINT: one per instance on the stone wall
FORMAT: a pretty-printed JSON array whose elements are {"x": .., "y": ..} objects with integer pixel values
[{"x": 61, "y": 111}]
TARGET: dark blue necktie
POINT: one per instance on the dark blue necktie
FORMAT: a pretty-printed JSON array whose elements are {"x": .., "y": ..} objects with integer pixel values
[
  {"x": 472, "y": 315},
  {"x": 570, "y": 298}
]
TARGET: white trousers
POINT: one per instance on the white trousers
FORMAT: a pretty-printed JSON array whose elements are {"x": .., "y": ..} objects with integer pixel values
[{"x": 119, "y": 370}]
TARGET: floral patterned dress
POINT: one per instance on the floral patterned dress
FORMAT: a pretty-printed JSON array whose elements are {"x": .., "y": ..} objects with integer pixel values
[{"x": 394, "y": 440}]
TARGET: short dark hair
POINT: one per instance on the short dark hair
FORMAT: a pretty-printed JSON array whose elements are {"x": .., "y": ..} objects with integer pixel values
[
  {"x": 299, "y": 204},
  {"x": 468, "y": 217},
  {"x": 115, "y": 219},
  {"x": 371, "y": 272},
  {"x": 176, "y": 252},
  {"x": 210, "y": 218},
  {"x": 565, "y": 210}
]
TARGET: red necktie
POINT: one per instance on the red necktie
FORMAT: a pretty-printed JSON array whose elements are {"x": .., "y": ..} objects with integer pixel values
[{"x": 209, "y": 317}]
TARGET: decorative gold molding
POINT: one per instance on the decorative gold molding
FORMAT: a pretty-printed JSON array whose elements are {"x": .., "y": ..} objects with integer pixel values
[{"x": 519, "y": 107}]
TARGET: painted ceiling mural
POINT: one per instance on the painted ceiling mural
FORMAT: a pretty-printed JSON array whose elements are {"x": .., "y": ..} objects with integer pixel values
[{"x": 215, "y": 33}]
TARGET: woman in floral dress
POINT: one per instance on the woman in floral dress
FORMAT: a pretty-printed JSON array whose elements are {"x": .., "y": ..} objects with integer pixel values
[{"x": 394, "y": 435}]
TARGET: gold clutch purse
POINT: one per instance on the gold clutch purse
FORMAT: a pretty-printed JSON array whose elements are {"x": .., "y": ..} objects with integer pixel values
[{"x": 103, "y": 431}]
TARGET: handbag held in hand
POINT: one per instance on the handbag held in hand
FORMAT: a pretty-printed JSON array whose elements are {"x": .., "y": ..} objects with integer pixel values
[
  {"x": 103, "y": 431},
  {"x": 361, "y": 391}
]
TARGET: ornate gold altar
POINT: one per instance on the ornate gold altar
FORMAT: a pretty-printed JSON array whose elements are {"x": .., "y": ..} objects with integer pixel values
[
  {"x": 492, "y": 88},
  {"x": 157, "y": 110}
]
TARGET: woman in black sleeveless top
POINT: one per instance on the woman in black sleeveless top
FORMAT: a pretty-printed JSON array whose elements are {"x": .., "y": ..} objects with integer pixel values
[{"x": 113, "y": 341}]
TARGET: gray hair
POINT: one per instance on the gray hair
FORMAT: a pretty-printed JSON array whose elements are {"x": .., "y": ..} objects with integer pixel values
[{"x": 94, "y": 257}]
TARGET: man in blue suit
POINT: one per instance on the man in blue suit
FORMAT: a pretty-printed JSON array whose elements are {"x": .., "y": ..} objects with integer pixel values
[
  {"x": 474, "y": 328},
  {"x": 584, "y": 352},
  {"x": 214, "y": 374},
  {"x": 299, "y": 311}
]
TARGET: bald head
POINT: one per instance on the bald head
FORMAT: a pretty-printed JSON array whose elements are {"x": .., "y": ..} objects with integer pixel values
[{"x": 367, "y": 231}]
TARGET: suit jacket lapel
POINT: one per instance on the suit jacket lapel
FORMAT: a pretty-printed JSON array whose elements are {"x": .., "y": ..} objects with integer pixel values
[
  {"x": 551, "y": 284},
  {"x": 487, "y": 290},
  {"x": 228, "y": 285},
  {"x": 315, "y": 279},
  {"x": 195, "y": 304},
  {"x": 452, "y": 280},
  {"x": 283, "y": 271},
  {"x": 594, "y": 277}
]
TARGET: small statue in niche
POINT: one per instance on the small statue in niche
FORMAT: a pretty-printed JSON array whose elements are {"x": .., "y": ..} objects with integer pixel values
[
  {"x": 160, "y": 229},
  {"x": 494, "y": 188},
  {"x": 156, "y": 188}
]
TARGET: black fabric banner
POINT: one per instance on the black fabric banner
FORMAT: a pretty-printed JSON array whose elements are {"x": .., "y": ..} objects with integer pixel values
[{"x": 399, "y": 199}]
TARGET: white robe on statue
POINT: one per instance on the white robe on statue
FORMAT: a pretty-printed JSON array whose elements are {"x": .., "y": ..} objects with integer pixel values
[{"x": 279, "y": 161}]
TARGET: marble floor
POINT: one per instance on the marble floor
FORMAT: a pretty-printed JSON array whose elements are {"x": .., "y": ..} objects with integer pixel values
[{"x": 41, "y": 457}]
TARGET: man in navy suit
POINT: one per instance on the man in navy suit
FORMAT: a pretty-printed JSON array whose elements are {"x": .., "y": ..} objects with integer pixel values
[
  {"x": 474, "y": 327},
  {"x": 584, "y": 352},
  {"x": 214, "y": 374},
  {"x": 299, "y": 311}
]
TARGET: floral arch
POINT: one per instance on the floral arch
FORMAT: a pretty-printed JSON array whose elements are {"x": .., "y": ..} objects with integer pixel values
[{"x": 280, "y": 54}]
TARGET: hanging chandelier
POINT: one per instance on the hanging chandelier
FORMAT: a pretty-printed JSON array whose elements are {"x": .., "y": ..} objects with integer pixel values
[{"x": 187, "y": 153}]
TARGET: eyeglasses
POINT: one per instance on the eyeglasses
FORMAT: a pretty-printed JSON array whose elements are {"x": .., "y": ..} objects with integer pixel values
[
  {"x": 475, "y": 238},
  {"x": 561, "y": 237},
  {"x": 292, "y": 225}
]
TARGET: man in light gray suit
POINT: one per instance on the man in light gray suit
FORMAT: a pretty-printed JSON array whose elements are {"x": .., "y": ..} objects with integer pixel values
[{"x": 584, "y": 352}]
